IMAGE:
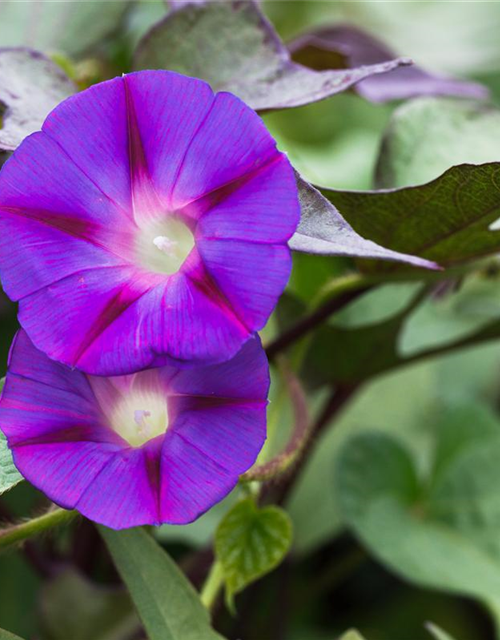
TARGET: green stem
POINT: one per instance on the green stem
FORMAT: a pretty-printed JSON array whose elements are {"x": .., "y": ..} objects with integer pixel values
[
  {"x": 342, "y": 292},
  {"x": 19, "y": 532},
  {"x": 300, "y": 432},
  {"x": 213, "y": 584}
]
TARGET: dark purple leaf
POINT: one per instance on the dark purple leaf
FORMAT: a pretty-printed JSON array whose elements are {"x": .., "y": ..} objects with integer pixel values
[
  {"x": 322, "y": 230},
  {"x": 452, "y": 219},
  {"x": 344, "y": 45}
]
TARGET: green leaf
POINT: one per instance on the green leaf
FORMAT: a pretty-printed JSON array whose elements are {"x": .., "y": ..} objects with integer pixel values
[
  {"x": 351, "y": 635},
  {"x": 6, "y": 635},
  {"x": 465, "y": 200},
  {"x": 346, "y": 354},
  {"x": 428, "y": 136},
  {"x": 436, "y": 632},
  {"x": 323, "y": 231},
  {"x": 251, "y": 542},
  {"x": 355, "y": 345},
  {"x": 440, "y": 531},
  {"x": 246, "y": 57},
  {"x": 72, "y": 27},
  {"x": 73, "y": 607},
  {"x": 31, "y": 85},
  {"x": 168, "y": 606},
  {"x": 452, "y": 316},
  {"x": 9, "y": 475}
]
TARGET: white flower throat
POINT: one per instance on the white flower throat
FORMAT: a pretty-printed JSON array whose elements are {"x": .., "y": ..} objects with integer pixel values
[
  {"x": 163, "y": 245},
  {"x": 140, "y": 416}
]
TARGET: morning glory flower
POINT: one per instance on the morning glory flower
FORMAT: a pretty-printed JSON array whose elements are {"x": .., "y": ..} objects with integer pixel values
[
  {"x": 158, "y": 446},
  {"x": 147, "y": 222}
]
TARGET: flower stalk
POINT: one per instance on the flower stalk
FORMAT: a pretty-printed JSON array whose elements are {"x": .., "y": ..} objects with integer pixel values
[
  {"x": 212, "y": 586},
  {"x": 17, "y": 533}
]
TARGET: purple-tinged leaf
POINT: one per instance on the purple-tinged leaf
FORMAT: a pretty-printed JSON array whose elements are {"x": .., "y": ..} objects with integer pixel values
[
  {"x": 322, "y": 230},
  {"x": 342, "y": 45},
  {"x": 233, "y": 46},
  {"x": 450, "y": 219},
  {"x": 175, "y": 4},
  {"x": 31, "y": 85}
]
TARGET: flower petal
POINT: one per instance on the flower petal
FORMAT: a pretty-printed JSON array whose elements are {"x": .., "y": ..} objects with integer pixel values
[
  {"x": 228, "y": 379},
  {"x": 184, "y": 317},
  {"x": 168, "y": 110},
  {"x": 91, "y": 131},
  {"x": 203, "y": 455},
  {"x": 230, "y": 142},
  {"x": 253, "y": 212},
  {"x": 133, "y": 501},
  {"x": 250, "y": 276},
  {"x": 69, "y": 319},
  {"x": 53, "y": 221}
]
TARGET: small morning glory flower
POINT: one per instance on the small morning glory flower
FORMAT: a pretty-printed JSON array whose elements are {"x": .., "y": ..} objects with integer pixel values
[
  {"x": 147, "y": 221},
  {"x": 161, "y": 445}
]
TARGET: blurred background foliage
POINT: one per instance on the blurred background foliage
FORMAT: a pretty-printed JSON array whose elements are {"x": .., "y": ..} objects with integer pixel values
[{"x": 397, "y": 514}]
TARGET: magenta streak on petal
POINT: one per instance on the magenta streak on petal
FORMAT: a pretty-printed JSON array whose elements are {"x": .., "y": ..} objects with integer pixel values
[
  {"x": 195, "y": 209},
  {"x": 145, "y": 201},
  {"x": 114, "y": 308},
  {"x": 152, "y": 460},
  {"x": 75, "y": 433},
  {"x": 71, "y": 159},
  {"x": 186, "y": 151},
  {"x": 116, "y": 242},
  {"x": 179, "y": 403},
  {"x": 194, "y": 269}
]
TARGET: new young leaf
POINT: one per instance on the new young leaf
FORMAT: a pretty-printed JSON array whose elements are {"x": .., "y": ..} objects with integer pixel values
[{"x": 251, "y": 542}]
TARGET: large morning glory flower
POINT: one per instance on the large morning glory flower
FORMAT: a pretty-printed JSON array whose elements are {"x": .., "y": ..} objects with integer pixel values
[
  {"x": 147, "y": 221},
  {"x": 161, "y": 445}
]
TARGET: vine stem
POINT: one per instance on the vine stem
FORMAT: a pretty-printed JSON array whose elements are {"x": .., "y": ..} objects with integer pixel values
[
  {"x": 212, "y": 586},
  {"x": 20, "y": 532},
  {"x": 342, "y": 292},
  {"x": 286, "y": 458},
  {"x": 278, "y": 492}
]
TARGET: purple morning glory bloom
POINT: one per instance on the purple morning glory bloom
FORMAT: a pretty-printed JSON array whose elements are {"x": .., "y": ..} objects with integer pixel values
[
  {"x": 161, "y": 445},
  {"x": 147, "y": 221}
]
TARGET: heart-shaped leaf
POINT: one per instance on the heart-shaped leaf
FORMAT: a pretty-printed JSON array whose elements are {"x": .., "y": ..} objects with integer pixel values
[
  {"x": 440, "y": 531},
  {"x": 251, "y": 542},
  {"x": 245, "y": 56},
  {"x": 31, "y": 85}
]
